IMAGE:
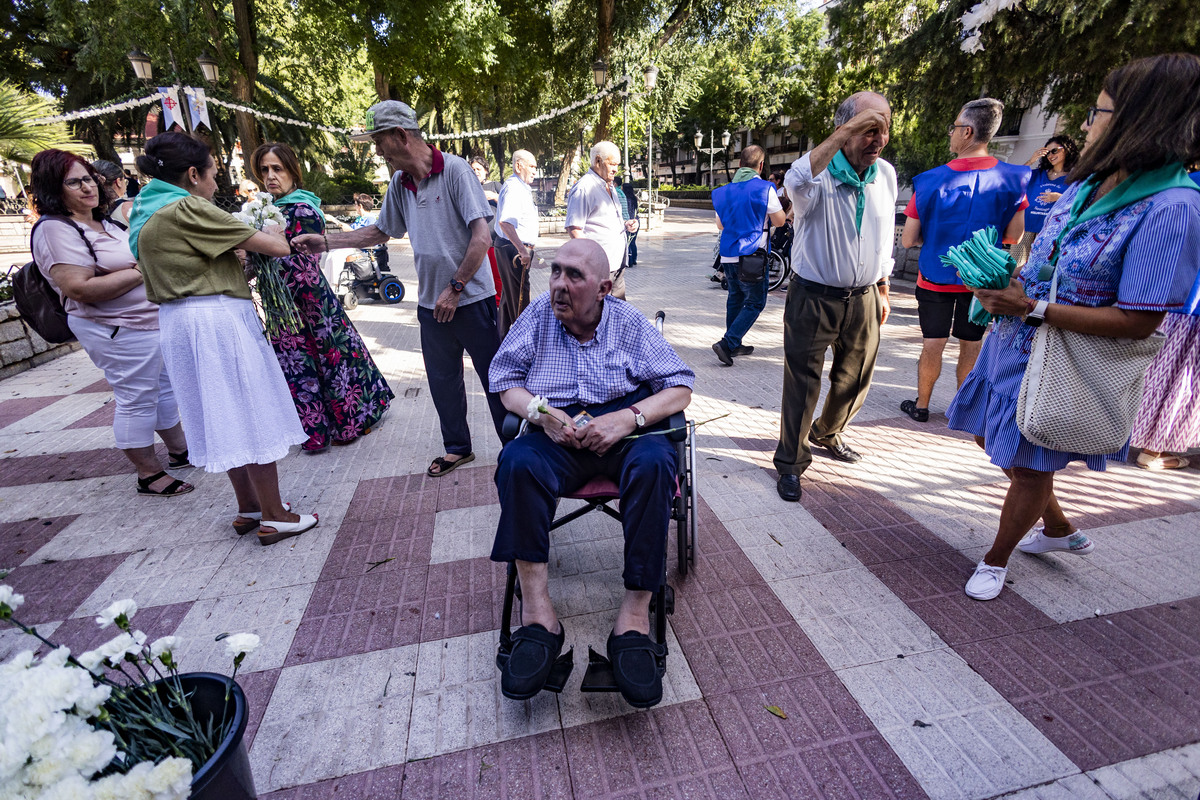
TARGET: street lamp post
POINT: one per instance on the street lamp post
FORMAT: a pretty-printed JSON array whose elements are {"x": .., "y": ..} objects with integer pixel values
[
  {"x": 699, "y": 140},
  {"x": 650, "y": 75},
  {"x": 143, "y": 68}
]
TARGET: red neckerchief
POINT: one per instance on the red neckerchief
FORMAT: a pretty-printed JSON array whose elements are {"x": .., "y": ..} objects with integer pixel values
[{"x": 439, "y": 163}]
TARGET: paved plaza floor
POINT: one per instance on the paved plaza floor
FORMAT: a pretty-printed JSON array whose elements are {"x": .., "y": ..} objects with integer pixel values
[{"x": 376, "y": 678}]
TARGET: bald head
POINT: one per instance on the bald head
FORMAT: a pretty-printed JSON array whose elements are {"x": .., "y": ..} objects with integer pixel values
[
  {"x": 586, "y": 255},
  {"x": 752, "y": 157},
  {"x": 860, "y": 101}
]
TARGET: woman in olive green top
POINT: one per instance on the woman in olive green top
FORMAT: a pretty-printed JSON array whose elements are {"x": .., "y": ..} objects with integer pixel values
[{"x": 236, "y": 408}]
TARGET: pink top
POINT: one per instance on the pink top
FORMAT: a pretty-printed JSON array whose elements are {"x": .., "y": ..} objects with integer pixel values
[{"x": 57, "y": 242}]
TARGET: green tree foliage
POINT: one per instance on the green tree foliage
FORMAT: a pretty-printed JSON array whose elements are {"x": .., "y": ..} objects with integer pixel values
[{"x": 20, "y": 141}]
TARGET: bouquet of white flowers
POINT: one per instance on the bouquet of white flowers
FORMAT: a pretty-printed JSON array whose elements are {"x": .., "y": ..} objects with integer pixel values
[
  {"x": 113, "y": 723},
  {"x": 279, "y": 310}
]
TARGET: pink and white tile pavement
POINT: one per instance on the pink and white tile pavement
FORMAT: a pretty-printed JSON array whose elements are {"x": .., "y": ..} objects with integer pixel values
[{"x": 376, "y": 678}]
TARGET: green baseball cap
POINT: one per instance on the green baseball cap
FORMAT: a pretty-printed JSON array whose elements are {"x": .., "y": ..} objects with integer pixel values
[{"x": 384, "y": 116}]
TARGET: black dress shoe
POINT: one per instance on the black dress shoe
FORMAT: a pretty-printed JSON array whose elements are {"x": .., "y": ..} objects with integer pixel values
[
  {"x": 789, "y": 488},
  {"x": 840, "y": 452},
  {"x": 723, "y": 354},
  {"x": 919, "y": 414},
  {"x": 743, "y": 350},
  {"x": 533, "y": 654}
]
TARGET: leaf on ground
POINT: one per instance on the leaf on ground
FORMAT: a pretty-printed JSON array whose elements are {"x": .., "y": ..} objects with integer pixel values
[
  {"x": 776, "y": 710},
  {"x": 775, "y": 540},
  {"x": 920, "y": 723}
]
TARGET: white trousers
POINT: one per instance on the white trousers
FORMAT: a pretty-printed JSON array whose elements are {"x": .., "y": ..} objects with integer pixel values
[{"x": 133, "y": 366}]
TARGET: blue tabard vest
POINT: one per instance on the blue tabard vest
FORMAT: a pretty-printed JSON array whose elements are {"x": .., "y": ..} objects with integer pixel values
[
  {"x": 952, "y": 205},
  {"x": 1192, "y": 306},
  {"x": 742, "y": 208}
]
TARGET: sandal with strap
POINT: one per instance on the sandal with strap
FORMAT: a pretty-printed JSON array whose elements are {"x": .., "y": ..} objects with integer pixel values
[
  {"x": 253, "y": 520},
  {"x": 1161, "y": 461},
  {"x": 178, "y": 460},
  {"x": 918, "y": 414},
  {"x": 445, "y": 467},
  {"x": 175, "y": 488}
]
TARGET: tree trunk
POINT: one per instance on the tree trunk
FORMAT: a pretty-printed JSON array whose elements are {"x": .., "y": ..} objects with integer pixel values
[
  {"x": 564, "y": 176},
  {"x": 245, "y": 80},
  {"x": 604, "y": 40},
  {"x": 497, "y": 144}
]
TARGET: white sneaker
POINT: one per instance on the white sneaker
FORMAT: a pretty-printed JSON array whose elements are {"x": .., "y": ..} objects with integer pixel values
[
  {"x": 987, "y": 582},
  {"x": 1036, "y": 541}
]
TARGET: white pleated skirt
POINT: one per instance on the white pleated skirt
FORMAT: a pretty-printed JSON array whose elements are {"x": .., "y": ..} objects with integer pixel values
[{"x": 233, "y": 400}]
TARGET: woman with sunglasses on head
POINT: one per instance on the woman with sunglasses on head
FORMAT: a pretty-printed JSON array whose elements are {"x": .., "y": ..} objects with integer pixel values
[
  {"x": 234, "y": 401},
  {"x": 87, "y": 261},
  {"x": 116, "y": 205},
  {"x": 1123, "y": 244},
  {"x": 339, "y": 392},
  {"x": 1050, "y": 165}
]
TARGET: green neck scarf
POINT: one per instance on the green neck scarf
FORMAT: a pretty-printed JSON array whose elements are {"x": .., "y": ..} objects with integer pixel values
[
  {"x": 153, "y": 196},
  {"x": 300, "y": 196},
  {"x": 840, "y": 168},
  {"x": 1138, "y": 186},
  {"x": 744, "y": 174}
]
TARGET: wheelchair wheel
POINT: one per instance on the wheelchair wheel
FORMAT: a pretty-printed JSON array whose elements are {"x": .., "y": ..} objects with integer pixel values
[
  {"x": 776, "y": 271},
  {"x": 350, "y": 300},
  {"x": 392, "y": 290}
]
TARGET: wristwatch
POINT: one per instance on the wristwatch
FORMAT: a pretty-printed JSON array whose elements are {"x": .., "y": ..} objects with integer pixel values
[
  {"x": 638, "y": 417},
  {"x": 1036, "y": 317},
  {"x": 457, "y": 286}
]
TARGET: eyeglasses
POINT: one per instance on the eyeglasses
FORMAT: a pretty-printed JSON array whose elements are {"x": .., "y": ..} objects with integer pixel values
[
  {"x": 1053, "y": 150},
  {"x": 1094, "y": 110},
  {"x": 75, "y": 183},
  {"x": 950, "y": 128}
]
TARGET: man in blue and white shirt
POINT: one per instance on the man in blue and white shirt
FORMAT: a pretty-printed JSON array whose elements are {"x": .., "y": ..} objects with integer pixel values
[{"x": 590, "y": 370}]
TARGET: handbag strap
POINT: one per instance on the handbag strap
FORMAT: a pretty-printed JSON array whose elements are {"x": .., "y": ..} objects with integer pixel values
[{"x": 1054, "y": 285}]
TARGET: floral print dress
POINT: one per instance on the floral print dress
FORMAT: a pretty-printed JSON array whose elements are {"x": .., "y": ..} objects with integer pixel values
[{"x": 338, "y": 391}]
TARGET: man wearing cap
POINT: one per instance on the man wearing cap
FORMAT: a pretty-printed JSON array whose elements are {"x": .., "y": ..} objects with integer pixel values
[
  {"x": 514, "y": 236},
  {"x": 436, "y": 199},
  {"x": 594, "y": 211}
]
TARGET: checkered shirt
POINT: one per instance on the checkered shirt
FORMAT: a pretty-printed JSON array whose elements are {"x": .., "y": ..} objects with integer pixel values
[{"x": 627, "y": 351}]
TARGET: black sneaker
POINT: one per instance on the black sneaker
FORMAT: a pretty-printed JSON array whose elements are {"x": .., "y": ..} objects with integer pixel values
[
  {"x": 919, "y": 414},
  {"x": 743, "y": 350},
  {"x": 723, "y": 354}
]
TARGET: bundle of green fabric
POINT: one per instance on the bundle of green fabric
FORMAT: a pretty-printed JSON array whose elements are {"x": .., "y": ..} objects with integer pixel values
[{"x": 982, "y": 264}]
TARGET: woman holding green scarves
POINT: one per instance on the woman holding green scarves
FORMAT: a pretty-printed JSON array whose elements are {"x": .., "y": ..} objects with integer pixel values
[
  {"x": 232, "y": 397},
  {"x": 1124, "y": 240},
  {"x": 338, "y": 391}
]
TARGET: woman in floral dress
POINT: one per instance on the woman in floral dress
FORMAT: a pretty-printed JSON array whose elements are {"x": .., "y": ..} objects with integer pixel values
[{"x": 338, "y": 391}]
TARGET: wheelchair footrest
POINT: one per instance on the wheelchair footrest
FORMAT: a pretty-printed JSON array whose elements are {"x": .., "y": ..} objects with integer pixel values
[
  {"x": 599, "y": 675},
  {"x": 669, "y": 600}
]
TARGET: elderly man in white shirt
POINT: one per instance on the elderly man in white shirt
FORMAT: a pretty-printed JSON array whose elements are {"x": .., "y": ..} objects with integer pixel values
[
  {"x": 514, "y": 236},
  {"x": 594, "y": 211},
  {"x": 844, "y": 198}
]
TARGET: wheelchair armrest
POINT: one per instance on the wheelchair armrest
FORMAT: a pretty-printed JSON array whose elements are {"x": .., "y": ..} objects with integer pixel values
[
  {"x": 511, "y": 427},
  {"x": 678, "y": 424}
]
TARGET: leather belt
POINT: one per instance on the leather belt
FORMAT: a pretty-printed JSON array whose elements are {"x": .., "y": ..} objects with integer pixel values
[{"x": 838, "y": 292}]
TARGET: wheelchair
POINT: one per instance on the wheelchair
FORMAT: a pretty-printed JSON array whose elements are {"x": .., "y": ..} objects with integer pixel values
[{"x": 597, "y": 494}]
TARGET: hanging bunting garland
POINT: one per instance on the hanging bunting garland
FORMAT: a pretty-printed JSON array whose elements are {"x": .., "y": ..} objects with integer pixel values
[
  {"x": 435, "y": 137},
  {"x": 97, "y": 111}
]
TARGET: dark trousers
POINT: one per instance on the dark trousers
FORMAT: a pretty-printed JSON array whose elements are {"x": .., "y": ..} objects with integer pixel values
[
  {"x": 533, "y": 472},
  {"x": 472, "y": 329},
  {"x": 812, "y": 323},
  {"x": 514, "y": 297},
  {"x": 632, "y": 249},
  {"x": 745, "y": 302}
]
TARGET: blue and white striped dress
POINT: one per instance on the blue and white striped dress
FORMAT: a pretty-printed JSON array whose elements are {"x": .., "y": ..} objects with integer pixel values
[{"x": 1144, "y": 257}]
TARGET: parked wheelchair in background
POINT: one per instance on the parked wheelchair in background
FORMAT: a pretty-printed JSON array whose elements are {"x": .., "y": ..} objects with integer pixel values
[
  {"x": 779, "y": 260},
  {"x": 354, "y": 274}
]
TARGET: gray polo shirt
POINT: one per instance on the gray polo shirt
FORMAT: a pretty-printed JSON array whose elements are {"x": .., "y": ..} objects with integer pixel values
[{"x": 436, "y": 218}]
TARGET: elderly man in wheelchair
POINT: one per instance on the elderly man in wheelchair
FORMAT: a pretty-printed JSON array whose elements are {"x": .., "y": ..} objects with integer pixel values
[{"x": 590, "y": 372}]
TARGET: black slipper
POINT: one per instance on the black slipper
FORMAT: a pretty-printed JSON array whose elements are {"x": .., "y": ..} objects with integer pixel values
[
  {"x": 635, "y": 658},
  {"x": 175, "y": 488},
  {"x": 533, "y": 654},
  {"x": 445, "y": 467},
  {"x": 919, "y": 414}
]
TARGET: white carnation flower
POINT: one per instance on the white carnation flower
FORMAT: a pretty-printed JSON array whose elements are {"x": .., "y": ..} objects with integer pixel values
[
  {"x": 115, "y": 650},
  {"x": 92, "y": 661},
  {"x": 243, "y": 217},
  {"x": 253, "y": 207},
  {"x": 10, "y": 599},
  {"x": 265, "y": 198},
  {"x": 164, "y": 645},
  {"x": 121, "y": 608},
  {"x": 241, "y": 644},
  {"x": 170, "y": 780}
]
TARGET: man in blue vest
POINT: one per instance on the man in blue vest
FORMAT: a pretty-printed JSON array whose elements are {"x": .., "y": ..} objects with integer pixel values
[
  {"x": 948, "y": 205},
  {"x": 743, "y": 208}
]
